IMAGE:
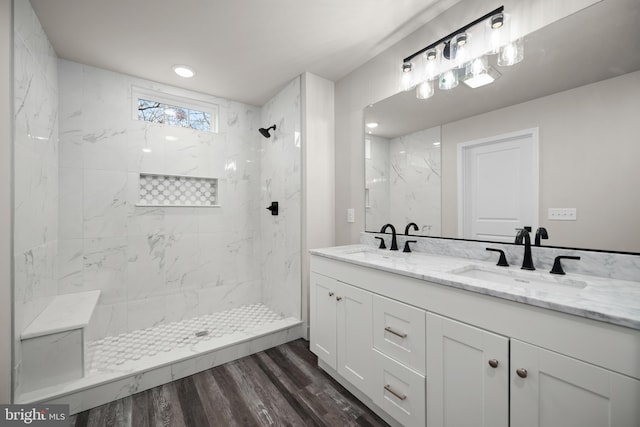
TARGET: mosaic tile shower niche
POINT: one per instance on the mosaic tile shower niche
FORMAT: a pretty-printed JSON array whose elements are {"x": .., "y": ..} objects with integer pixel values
[{"x": 173, "y": 190}]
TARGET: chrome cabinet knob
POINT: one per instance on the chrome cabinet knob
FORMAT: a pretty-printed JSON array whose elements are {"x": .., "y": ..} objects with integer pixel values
[
  {"x": 522, "y": 373},
  {"x": 338, "y": 298},
  {"x": 493, "y": 363},
  {"x": 331, "y": 294}
]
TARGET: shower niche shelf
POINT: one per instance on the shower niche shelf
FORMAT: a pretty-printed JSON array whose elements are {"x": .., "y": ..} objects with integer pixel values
[{"x": 177, "y": 191}]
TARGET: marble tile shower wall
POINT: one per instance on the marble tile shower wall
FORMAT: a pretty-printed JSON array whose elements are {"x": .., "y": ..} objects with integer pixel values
[
  {"x": 153, "y": 264},
  {"x": 377, "y": 182},
  {"x": 415, "y": 180},
  {"x": 404, "y": 171},
  {"x": 281, "y": 181},
  {"x": 36, "y": 171}
]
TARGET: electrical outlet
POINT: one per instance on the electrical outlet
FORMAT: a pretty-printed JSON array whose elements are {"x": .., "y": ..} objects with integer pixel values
[
  {"x": 351, "y": 215},
  {"x": 563, "y": 214}
]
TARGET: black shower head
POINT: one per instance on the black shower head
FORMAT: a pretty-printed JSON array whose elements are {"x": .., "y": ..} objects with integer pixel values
[{"x": 265, "y": 132}]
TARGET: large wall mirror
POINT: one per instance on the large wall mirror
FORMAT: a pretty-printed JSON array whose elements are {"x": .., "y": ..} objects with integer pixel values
[{"x": 578, "y": 87}]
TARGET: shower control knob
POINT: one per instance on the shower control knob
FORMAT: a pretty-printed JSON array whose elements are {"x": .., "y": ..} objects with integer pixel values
[{"x": 273, "y": 208}]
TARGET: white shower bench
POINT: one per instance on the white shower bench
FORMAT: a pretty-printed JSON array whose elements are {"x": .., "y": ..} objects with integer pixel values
[{"x": 53, "y": 345}]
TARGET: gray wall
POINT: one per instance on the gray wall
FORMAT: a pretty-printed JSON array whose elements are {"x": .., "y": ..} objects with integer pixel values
[{"x": 589, "y": 152}]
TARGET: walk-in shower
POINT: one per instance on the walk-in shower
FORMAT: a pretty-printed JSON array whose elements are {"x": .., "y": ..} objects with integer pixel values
[{"x": 142, "y": 250}]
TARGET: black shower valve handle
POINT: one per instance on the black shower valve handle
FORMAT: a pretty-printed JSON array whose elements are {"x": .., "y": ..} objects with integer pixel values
[{"x": 273, "y": 208}]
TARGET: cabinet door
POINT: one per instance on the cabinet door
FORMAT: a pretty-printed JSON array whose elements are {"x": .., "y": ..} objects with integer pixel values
[
  {"x": 355, "y": 337},
  {"x": 322, "y": 318},
  {"x": 467, "y": 375},
  {"x": 557, "y": 390}
]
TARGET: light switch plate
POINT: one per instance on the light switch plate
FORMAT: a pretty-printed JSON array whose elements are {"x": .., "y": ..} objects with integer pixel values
[
  {"x": 351, "y": 215},
  {"x": 563, "y": 214}
]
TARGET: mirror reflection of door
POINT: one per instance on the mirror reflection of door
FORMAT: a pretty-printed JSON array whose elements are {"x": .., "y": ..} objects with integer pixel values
[{"x": 498, "y": 186}]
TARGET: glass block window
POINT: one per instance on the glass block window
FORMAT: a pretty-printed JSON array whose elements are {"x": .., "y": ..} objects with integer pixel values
[
  {"x": 171, "y": 190},
  {"x": 174, "y": 111}
]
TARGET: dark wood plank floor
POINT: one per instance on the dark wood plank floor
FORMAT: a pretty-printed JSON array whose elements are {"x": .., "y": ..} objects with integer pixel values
[{"x": 278, "y": 387}]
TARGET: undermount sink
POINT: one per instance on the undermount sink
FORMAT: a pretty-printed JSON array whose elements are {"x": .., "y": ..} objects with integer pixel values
[{"x": 520, "y": 278}]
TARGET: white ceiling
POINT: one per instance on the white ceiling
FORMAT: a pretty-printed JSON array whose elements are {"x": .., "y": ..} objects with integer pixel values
[{"x": 244, "y": 50}]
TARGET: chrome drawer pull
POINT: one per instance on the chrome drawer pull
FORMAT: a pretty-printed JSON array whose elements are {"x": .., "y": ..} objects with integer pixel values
[
  {"x": 395, "y": 393},
  {"x": 400, "y": 334}
]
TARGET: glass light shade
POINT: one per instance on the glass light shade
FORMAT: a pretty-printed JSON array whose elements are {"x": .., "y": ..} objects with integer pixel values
[
  {"x": 460, "y": 49},
  {"x": 479, "y": 73},
  {"x": 497, "y": 35},
  {"x": 448, "y": 80},
  {"x": 511, "y": 54},
  {"x": 425, "y": 90},
  {"x": 431, "y": 60},
  {"x": 407, "y": 81}
]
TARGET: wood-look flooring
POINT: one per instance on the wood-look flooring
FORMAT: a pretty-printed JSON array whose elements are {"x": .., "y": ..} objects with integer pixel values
[{"x": 281, "y": 386}]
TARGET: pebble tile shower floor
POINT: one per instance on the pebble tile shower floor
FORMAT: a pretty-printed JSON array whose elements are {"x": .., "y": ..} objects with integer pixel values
[{"x": 115, "y": 350}]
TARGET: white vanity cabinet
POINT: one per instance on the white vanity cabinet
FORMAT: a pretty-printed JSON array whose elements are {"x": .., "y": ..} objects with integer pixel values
[
  {"x": 430, "y": 354},
  {"x": 341, "y": 334}
]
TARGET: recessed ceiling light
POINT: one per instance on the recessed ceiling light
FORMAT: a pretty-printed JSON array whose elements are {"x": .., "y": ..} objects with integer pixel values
[
  {"x": 184, "y": 71},
  {"x": 372, "y": 125}
]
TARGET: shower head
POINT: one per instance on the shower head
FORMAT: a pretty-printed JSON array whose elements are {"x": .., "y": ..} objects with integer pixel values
[{"x": 265, "y": 132}]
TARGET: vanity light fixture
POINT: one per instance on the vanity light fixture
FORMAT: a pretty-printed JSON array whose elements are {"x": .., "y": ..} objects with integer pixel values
[
  {"x": 455, "y": 48},
  {"x": 183, "y": 71},
  {"x": 372, "y": 125}
]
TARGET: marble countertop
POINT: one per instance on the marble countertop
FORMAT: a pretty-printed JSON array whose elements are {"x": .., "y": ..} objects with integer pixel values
[{"x": 599, "y": 298}]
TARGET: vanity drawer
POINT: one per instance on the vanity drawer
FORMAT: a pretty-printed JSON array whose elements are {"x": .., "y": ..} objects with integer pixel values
[
  {"x": 399, "y": 391},
  {"x": 399, "y": 331}
]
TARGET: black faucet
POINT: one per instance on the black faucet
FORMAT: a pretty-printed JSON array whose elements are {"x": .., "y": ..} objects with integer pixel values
[
  {"x": 541, "y": 233},
  {"x": 411, "y": 224},
  {"x": 394, "y": 242},
  {"x": 557, "y": 265},
  {"x": 406, "y": 245},
  {"x": 527, "y": 262},
  {"x": 502, "y": 261}
]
